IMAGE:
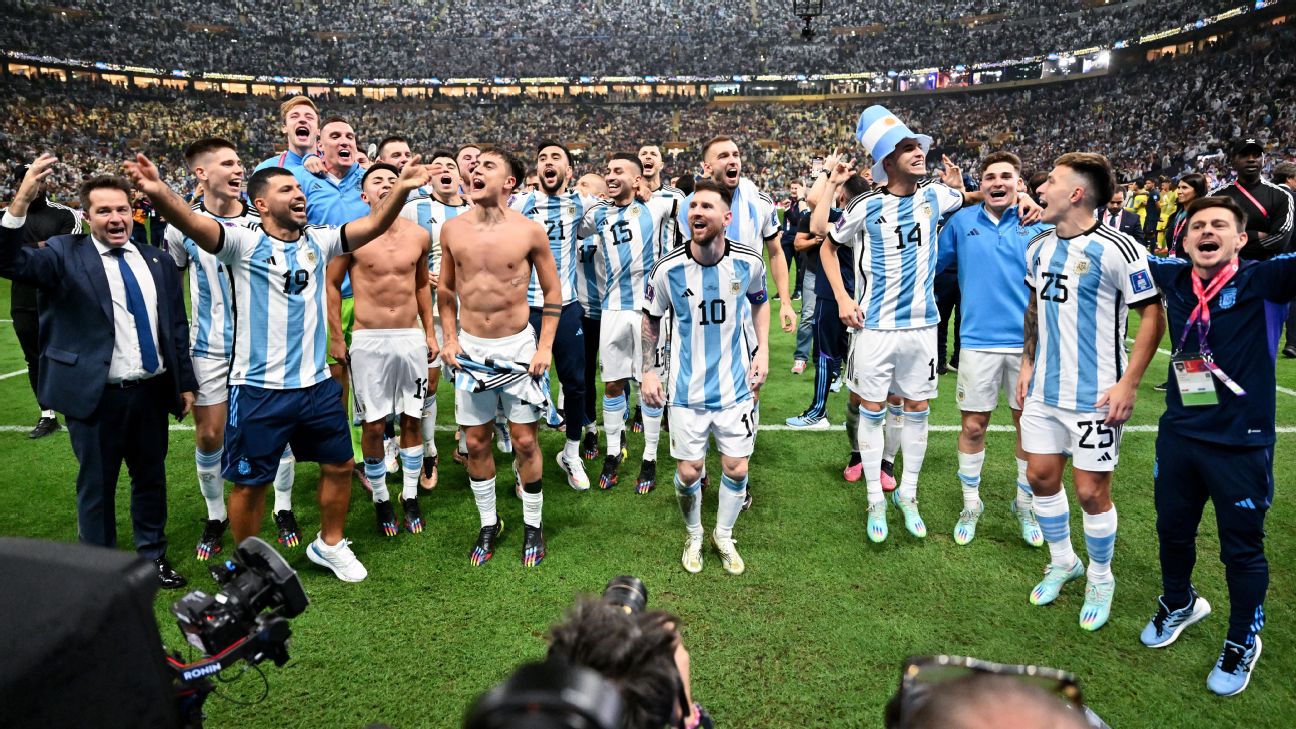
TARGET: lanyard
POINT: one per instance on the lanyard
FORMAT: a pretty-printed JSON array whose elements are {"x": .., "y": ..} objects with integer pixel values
[
  {"x": 1180, "y": 222},
  {"x": 1201, "y": 313},
  {"x": 1251, "y": 197}
]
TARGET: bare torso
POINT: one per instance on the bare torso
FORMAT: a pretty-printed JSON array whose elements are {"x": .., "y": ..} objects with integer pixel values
[
  {"x": 492, "y": 271},
  {"x": 384, "y": 277}
]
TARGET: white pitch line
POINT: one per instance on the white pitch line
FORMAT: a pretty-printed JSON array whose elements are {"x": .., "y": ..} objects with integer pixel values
[
  {"x": 182, "y": 427},
  {"x": 15, "y": 373}
]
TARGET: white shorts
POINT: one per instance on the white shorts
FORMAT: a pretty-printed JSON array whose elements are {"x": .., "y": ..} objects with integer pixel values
[
  {"x": 982, "y": 375},
  {"x": 734, "y": 429},
  {"x": 389, "y": 370},
  {"x": 896, "y": 361},
  {"x": 1048, "y": 430},
  {"x": 212, "y": 374},
  {"x": 621, "y": 345},
  {"x": 479, "y": 408}
]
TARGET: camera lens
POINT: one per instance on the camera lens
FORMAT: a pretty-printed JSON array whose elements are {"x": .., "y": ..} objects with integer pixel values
[{"x": 626, "y": 592}]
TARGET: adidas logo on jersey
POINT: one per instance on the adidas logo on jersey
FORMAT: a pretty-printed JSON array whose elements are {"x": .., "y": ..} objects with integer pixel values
[
  {"x": 881, "y": 220},
  {"x": 1105, "y": 458},
  {"x": 688, "y": 292},
  {"x": 974, "y": 231}
]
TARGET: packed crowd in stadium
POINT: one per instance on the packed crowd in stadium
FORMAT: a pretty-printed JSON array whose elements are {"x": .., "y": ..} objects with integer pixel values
[
  {"x": 605, "y": 267},
  {"x": 376, "y": 39}
]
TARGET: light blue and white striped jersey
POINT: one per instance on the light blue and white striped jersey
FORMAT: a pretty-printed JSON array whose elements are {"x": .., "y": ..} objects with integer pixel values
[
  {"x": 211, "y": 328},
  {"x": 670, "y": 231},
  {"x": 894, "y": 241},
  {"x": 710, "y": 310},
  {"x": 628, "y": 241},
  {"x": 280, "y": 326},
  {"x": 430, "y": 214},
  {"x": 561, "y": 216},
  {"x": 1083, "y": 288},
  {"x": 755, "y": 216}
]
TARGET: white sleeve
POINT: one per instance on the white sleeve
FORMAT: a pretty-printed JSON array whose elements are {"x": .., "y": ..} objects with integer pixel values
[
  {"x": 409, "y": 210},
  {"x": 329, "y": 239},
  {"x": 656, "y": 294},
  {"x": 769, "y": 214},
  {"x": 1136, "y": 282},
  {"x": 175, "y": 246},
  {"x": 236, "y": 242},
  {"x": 947, "y": 198},
  {"x": 756, "y": 290},
  {"x": 845, "y": 231}
]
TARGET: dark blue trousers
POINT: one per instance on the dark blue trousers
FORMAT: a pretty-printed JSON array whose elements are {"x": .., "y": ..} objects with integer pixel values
[
  {"x": 1240, "y": 483},
  {"x": 829, "y": 347},
  {"x": 569, "y": 361}
]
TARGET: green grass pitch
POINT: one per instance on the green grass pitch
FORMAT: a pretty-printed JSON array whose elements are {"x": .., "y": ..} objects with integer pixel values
[{"x": 812, "y": 635}]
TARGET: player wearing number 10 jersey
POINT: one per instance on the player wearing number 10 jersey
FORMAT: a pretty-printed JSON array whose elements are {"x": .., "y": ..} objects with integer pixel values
[
  {"x": 712, "y": 289},
  {"x": 1076, "y": 382},
  {"x": 626, "y": 232}
]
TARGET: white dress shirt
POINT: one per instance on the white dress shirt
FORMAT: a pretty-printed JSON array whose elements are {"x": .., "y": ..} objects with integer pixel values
[{"x": 127, "y": 362}]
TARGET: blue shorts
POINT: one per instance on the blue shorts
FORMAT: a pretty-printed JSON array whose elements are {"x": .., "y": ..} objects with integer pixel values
[{"x": 261, "y": 422}]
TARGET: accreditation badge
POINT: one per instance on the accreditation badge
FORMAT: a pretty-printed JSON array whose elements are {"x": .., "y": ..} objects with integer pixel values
[{"x": 1193, "y": 378}]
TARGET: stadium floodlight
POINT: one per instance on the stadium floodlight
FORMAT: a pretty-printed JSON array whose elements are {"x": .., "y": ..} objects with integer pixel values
[{"x": 807, "y": 10}]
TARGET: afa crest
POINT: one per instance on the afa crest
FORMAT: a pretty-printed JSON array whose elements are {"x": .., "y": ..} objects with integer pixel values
[
  {"x": 1082, "y": 266},
  {"x": 926, "y": 210},
  {"x": 1228, "y": 297},
  {"x": 310, "y": 257},
  {"x": 735, "y": 286},
  {"x": 569, "y": 210},
  {"x": 634, "y": 211}
]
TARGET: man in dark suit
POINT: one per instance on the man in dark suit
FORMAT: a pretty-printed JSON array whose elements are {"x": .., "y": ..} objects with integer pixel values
[
  {"x": 114, "y": 355},
  {"x": 1116, "y": 216}
]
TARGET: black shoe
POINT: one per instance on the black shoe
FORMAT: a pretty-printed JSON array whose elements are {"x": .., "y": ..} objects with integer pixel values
[
  {"x": 647, "y": 477},
  {"x": 589, "y": 445},
  {"x": 210, "y": 541},
  {"x": 796, "y": 295},
  {"x": 168, "y": 578},
  {"x": 636, "y": 422},
  {"x": 1289, "y": 352},
  {"x": 941, "y": 368},
  {"x": 413, "y": 516},
  {"x": 611, "y": 464},
  {"x": 533, "y": 546},
  {"x": 386, "y": 516},
  {"x": 44, "y": 427},
  {"x": 1161, "y": 387},
  {"x": 289, "y": 532},
  {"x": 486, "y": 538},
  {"x": 747, "y": 498},
  {"x": 952, "y": 366}
]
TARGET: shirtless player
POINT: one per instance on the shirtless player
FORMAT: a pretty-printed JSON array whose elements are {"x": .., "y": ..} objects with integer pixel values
[
  {"x": 487, "y": 256},
  {"x": 389, "y": 354}
]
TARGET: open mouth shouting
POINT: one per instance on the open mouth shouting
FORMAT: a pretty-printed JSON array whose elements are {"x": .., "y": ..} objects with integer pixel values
[
  {"x": 302, "y": 134},
  {"x": 549, "y": 176},
  {"x": 1208, "y": 245},
  {"x": 997, "y": 196},
  {"x": 731, "y": 175}
]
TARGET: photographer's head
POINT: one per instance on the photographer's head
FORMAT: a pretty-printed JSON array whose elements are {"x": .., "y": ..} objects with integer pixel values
[
  {"x": 987, "y": 701},
  {"x": 635, "y": 651}
]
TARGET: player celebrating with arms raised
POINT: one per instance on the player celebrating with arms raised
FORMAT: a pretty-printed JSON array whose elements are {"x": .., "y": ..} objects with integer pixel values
[
  {"x": 893, "y": 231},
  {"x": 1077, "y": 384},
  {"x": 713, "y": 288}
]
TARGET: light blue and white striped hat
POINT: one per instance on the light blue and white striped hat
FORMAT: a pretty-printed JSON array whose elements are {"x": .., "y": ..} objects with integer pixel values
[{"x": 881, "y": 132}]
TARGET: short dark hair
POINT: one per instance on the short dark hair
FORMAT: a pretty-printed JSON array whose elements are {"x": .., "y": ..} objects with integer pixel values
[
  {"x": 392, "y": 139},
  {"x": 1001, "y": 156},
  {"x": 378, "y": 167},
  {"x": 685, "y": 182},
  {"x": 1219, "y": 201},
  {"x": 708, "y": 185},
  {"x": 256, "y": 186},
  {"x": 102, "y": 182},
  {"x": 205, "y": 146},
  {"x": 1283, "y": 172},
  {"x": 545, "y": 143},
  {"x": 713, "y": 141},
  {"x": 856, "y": 186},
  {"x": 635, "y": 651},
  {"x": 627, "y": 157},
  {"x": 1095, "y": 170},
  {"x": 335, "y": 120},
  {"x": 515, "y": 166}
]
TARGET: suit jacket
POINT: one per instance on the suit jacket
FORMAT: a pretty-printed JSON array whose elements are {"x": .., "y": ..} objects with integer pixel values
[
  {"x": 1128, "y": 224},
  {"x": 76, "y": 324}
]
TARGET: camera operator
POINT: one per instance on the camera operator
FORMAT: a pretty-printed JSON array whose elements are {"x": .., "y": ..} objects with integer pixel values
[{"x": 640, "y": 652}]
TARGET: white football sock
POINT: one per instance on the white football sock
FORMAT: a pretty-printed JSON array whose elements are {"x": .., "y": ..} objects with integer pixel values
[
  {"x": 872, "y": 431},
  {"x": 532, "y": 506},
  {"x": 376, "y": 472},
  {"x": 484, "y": 495},
  {"x": 429, "y": 427},
  {"x": 210, "y": 482},
  {"x": 411, "y": 468},
  {"x": 969, "y": 473},
  {"x": 613, "y": 422},
  {"x": 652, "y": 419},
  {"x": 571, "y": 451},
  {"x": 690, "y": 503},
  {"x": 1024, "y": 495},
  {"x": 894, "y": 427},
  {"x": 913, "y": 444},
  {"x": 1100, "y": 543},
  {"x": 1054, "y": 516},
  {"x": 283, "y": 483},
  {"x": 732, "y": 494}
]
